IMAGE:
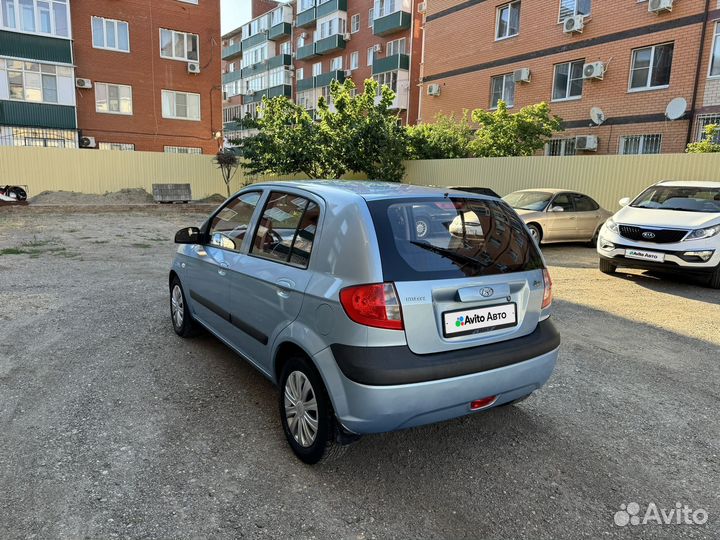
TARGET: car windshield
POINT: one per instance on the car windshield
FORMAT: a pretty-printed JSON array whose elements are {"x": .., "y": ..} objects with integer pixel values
[
  {"x": 451, "y": 237},
  {"x": 685, "y": 199},
  {"x": 528, "y": 200}
]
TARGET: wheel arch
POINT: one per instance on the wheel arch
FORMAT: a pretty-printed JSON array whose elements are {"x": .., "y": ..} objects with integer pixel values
[{"x": 539, "y": 228}]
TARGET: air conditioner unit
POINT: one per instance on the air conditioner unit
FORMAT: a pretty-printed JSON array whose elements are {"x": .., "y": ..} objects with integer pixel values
[
  {"x": 193, "y": 67},
  {"x": 422, "y": 7},
  {"x": 574, "y": 24},
  {"x": 87, "y": 142},
  {"x": 658, "y": 6},
  {"x": 347, "y": 73},
  {"x": 594, "y": 70},
  {"x": 433, "y": 90},
  {"x": 248, "y": 92},
  {"x": 303, "y": 35},
  {"x": 587, "y": 143},
  {"x": 377, "y": 47},
  {"x": 347, "y": 37},
  {"x": 521, "y": 75},
  {"x": 83, "y": 83}
]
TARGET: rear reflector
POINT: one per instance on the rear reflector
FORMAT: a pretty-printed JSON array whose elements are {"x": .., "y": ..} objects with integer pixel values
[
  {"x": 373, "y": 305},
  {"x": 482, "y": 403},
  {"x": 547, "y": 295}
]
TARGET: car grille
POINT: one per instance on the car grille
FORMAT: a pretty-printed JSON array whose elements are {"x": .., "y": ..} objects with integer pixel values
[{"x": 661, "y": 236}]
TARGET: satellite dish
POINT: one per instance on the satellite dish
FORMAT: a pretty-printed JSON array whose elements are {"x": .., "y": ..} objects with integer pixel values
[
  {"x": 676, "y": 108},
  {"x": 597, "y": 115}
]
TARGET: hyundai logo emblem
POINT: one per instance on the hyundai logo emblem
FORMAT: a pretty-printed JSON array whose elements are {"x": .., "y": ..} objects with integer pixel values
[
  {"x": 648, "y": 235},
  {"x": 486, "y": 292}
]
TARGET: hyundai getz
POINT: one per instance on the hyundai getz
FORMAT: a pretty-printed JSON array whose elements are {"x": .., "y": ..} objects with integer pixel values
[{"x": 326, "y": 288}]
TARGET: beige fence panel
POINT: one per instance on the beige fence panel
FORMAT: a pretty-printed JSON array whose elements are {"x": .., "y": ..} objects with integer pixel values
[{"x": 605, "y": 178}]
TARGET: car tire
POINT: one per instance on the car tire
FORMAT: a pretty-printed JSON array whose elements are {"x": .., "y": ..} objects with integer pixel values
[
  {"x": 422, "y": 227},
  {"x": 535, "y": 233},
  {"x": 182, "y": 321},
  {"x": 714, "y": 281},
  {"x": 606, "y": 267},
  {"x": 315, "y": 437}
]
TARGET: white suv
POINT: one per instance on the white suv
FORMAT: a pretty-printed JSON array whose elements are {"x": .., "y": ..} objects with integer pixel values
[{"x": 670, "y": 227}]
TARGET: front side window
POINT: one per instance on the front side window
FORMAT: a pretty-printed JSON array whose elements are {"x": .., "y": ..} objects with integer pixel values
[
  {"x": 110, "y": 34},
  {"x": 229, "y": 226},
  {"x": 180, "y": 105},
  {"x": 564, "y": 201},
  {"x": 715, "y": 59},
  {"x": 508, "y": 20},
  {"x": 570, "y": 8},
  {"x": 502, "y": 88},
  {"x": 651, "y": 67},
  {"x": 36, "y": 16},
  {"x": 640, "y": 144},
  {"x": 113, "y": 98},
  {"x": 179, "y": 45},
  {"x": 286, "y": 230},
  {"x": 568, "y": 80}
]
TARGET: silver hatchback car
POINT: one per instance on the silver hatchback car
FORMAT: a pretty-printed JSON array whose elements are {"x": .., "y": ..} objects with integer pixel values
[{"x": 325, "y": 287}]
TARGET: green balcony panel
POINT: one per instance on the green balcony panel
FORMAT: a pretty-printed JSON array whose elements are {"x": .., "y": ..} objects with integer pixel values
[
  {"x": 254, "y": 69},
  {"x": 391, "y": 63},
  {"x": 326, "y": 8},
  {"x": 305, "y": 52},
  {"x": 394, "y": 22},
  {"x": 252, "y": 41},
  {"x": 279, "y": 31},
  {"x": 233, "y": 51},
  {"x": 39, "y": 48},
  {"x": 280, "y": 90},
  {"x": 305, "y": 18},
  {"x": 281, "y": 60},
  {"x": 305, "y": 84},
  {"x": 40, "y": 115},
  {"x": 255, "y": 97},
  {"x": 325, "y": 79},
  {"x": 330, "y": 44},
  {"x": 231, "y": 77}
]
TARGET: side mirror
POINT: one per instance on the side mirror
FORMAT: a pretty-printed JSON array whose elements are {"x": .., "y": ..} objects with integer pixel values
[
  {"x": 557, "y": 209},
  {"x": 624, "y": 201},
  {"x": 188, "y": 235}
]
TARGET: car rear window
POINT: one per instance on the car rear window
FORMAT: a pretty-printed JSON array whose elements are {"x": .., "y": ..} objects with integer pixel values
[{"x": 451, "y": 237}]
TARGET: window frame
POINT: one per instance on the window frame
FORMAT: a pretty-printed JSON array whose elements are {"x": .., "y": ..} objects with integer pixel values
[
  {"x": 575, "y": 11},
  {"x": 575, "y": 196},
  {"x": 503, "y": 75},
  {"x": 205, "y": 229},
  {"x": 17, "y": 17},
  {"x": 173, "y": 57},
  {"x": 715, "y": 51},
  {"x": 563, "y": 143},
  {"x": 354, "y": 65},
  {"x": 647, "y": 87},
  {"x": 24, "y": 71},
  {"x": 107, "y": 86},
  {"x": 498, "y": 11},
  {"x": 105, "y": 47},
  {"x": 642, "y": 141},
  {"x": 354, "y": 18},
  {"x": 568, "y": 85},
  {"x": 175, "y": 92}
]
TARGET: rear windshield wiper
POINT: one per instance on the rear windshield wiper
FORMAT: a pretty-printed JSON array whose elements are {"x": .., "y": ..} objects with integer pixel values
[{"x": 453, "y": 255}]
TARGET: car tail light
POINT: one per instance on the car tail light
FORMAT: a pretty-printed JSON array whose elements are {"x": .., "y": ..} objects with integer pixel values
[
  {"x": 482, "y": 403},
  {"x": 547, "y": 295},
  {"x": 373, "y": 305}
]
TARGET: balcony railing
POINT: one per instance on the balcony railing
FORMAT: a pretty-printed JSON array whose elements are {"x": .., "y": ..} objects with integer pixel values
[
  {"x": 257, "y": 39},
  {"x": 279, "y": 31},
  {"x": 330, "y": 44},
  {"x": 231, "y": 77},
  {"x": 305, "y": 52},
  {"x": 324, "y": 79},
  {"x": 232, "y": 51},
  {"x": 391, "y": 63},
  {"x": 307, "y": 83},
  {"x": 331, "y": 6},
  {"x": 306, "y": 18},
  {"x": 391, "y": 23}
]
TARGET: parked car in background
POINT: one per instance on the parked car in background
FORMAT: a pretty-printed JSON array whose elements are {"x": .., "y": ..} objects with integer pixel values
[
  {"x": 428, "y": 223},
  {"x": 557, "y": 215},
  {"x": 328, "y": 290},
  {"x": 669, "y": 227}
]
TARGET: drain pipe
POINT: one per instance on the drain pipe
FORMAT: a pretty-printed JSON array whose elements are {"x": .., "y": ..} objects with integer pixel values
[{"x": 701, "y": 50}]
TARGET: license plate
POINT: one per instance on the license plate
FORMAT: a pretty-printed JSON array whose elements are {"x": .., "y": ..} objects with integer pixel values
[
  {"x": 645, "y": 255},
  {"x": 474, "y": 321}
]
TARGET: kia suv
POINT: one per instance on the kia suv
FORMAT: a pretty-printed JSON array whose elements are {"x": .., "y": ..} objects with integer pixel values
[
  {"x": 669, "y": 227},
  {"x": 327, "y": 289}
]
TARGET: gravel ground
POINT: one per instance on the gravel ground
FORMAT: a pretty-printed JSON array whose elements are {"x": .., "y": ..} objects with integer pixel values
[{"x": 112, "y": 426}]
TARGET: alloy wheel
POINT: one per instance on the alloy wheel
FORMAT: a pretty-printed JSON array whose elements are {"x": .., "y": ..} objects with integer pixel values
[
  {"x": 177, "y": 306},
  {"x": 301, "y": 409}
]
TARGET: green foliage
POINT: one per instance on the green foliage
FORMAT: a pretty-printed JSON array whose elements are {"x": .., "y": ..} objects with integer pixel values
[
  {"x": 708, "y": 144},
  {"x": 446, "y": 138},
  {"x": 227, "y": 162},
  {"x": 501, "y": 133}
]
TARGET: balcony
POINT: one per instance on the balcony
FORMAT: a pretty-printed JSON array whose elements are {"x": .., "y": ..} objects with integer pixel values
[
  {"x": 391, "y": 63},
  {"x": 257, "y": 39},
  {"x": 231, "y": 77},
  {"x": 281, "y": 60},
  {"x": 325, "y": 79},
  {"x": 233, "y": 51},
  {"x": 307, "y": 83},
  {"x": 391, "y": 23},
  {"x": 330, "y": 44},
  {"x": 280, "y": 90},
  {"x": 326, "y": 8},
  {"x": 254, "y": 97},
  {"x": 279, "y": 31},
  {"x": 41, "y": 115},
  {"x": 306, "y": 18},
  {"x": 305, "y": 52},
  {"x": 33, "y": 47}
]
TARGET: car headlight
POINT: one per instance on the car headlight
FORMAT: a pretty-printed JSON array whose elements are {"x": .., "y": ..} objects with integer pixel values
[
  {"x": 612, "y": 226},
  {"x": 707, "y": 232}
]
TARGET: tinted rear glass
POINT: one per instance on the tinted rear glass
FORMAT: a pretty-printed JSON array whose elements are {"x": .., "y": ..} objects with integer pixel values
[{"x": 451, "y": 237}]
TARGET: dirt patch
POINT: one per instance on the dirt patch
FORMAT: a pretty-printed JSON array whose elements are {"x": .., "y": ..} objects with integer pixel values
[
  {"x": 213, "y": 199},
  {"x": 124, "y": 196}
]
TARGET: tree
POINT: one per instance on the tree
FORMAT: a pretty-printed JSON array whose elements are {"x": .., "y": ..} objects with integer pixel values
[
  {"x": 227, "y": 162},
  {"x": 501, "y": 133},
  {"x": 446, "y": 138},
  {"x": 709, "y": 144}
]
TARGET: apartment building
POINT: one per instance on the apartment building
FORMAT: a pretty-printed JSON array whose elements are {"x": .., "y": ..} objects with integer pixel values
[
  {"x": 609, "y": 68},
  {"x": 131, "y": 75}
]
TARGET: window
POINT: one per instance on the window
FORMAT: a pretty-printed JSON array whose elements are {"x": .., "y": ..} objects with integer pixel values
[
  {"x": 336, "y": 63},
  {"x": 396, "y": 46},
  {"x": 286, "y": 230},
  {"x": 370, "y": 56},
  {"x": 255, "y": 55},
  {"x": 113, "y": 98},
  {"x": 508, "y": 20},
  {"x": 570, "y": 8},
  {"x": 110, "y": 34},
  {"x": 355, "y": 23},
  {"x": 30, "y": 81},
  {"x": 568, "y": 80},
  {"x": 300, "y": 73},
  {"x": 502, "y": 88},
  {"x": 386, "y": 7},
  {"x": 182, "y": 150},
  {"x": 317, "y": 69},
  {"x": 286, "y": 48},
  {"x": 640, "y": 144},
  {"x": 704, "y": 120},
  {"x": 564, "y": 201},
  {"x": 388, "y": 78},
  {"x": 127, "y": 147},
  {"x": 370, "y": 18},
  {"x": 304, "y": 5},
  {"x": 560, "y": 147},
  {"x": 279, "y": 76},
  {"x": 715, "y": 58},
  {"x": 651, "y": 67},
  {"x": 36, "y": 16},
  {"x": 229, "y": 226},
  {"x": 180, "y": 105},
  {"x": 330, "y": 27},
  {"x": 354, "y": 60},
  {"x": 179, "y": 45},
  {"x": 583, "y": 203},
  {"x": 300, "y": 42}
]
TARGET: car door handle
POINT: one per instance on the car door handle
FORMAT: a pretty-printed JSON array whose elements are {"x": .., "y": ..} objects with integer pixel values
[{"x": 222, "y": 272}]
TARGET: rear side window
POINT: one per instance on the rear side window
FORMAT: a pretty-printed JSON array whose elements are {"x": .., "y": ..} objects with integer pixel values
[
  {"x": 584, "y": 203},
  {"x": 451, "y": 237}
]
